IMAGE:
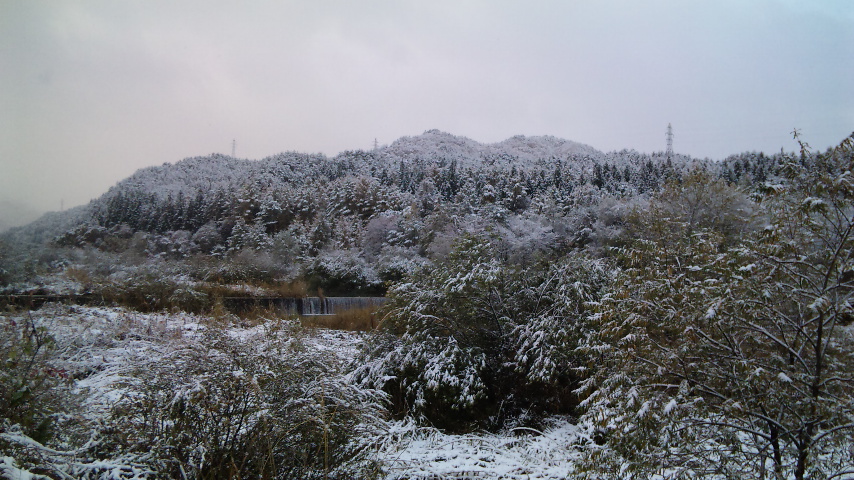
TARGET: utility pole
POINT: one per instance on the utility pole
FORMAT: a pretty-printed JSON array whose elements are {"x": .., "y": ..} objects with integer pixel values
[
  {"x": 233, "y": 147},
  {"x": 669, "y": 142}
]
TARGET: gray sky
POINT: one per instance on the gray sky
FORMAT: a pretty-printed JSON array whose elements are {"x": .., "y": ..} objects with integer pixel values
[{"x": 90, "y": 91}]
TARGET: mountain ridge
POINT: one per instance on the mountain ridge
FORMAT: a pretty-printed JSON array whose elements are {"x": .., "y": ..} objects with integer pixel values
[{"x": 405, "y": 202}]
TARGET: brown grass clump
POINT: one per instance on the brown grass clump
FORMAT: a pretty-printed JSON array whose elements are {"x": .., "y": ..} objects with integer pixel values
[
  {"x": 294, "y": 288},
  {"x": 357, "y": 319},
  {"x": 216, "y": 290},
  {"x": 80, "y": 276},
  {"x": 258, "y": 315}
]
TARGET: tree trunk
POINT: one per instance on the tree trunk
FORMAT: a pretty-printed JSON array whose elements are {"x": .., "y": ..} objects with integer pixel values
[{"x": 775, "y": 445}]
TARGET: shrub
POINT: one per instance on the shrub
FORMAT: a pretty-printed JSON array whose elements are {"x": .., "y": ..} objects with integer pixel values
[
  {"x": 222, "y": 408},
  {"x": 150, "y": 291},
  {"x": 343, "y": 272},
  {"x": 29, "y": 396},
  {"x": 198, "y": 403},
  {"x": 474, "y": 343}
]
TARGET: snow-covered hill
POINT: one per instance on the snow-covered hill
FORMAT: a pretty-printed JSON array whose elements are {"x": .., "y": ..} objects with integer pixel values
[{"x": 389, "y": 209}]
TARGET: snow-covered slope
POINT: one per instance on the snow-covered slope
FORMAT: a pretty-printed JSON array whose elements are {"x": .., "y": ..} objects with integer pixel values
[{"x": 519, "y": 151}]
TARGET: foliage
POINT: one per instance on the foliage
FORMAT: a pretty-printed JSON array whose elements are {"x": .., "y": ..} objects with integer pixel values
[
  {"x": 342, "y": 273},
  {"x": 719, "y": 346},
  {"x": 221, "y": 409},
  {"x": 473, "y": 343},
  {"x": 150, "y": 291},
  {"x": 30, "y": 392},
  {"x": 202, "y": 402},
  {"x": 5, "y": 264},
  {"x": 728, "y": 351},
  {"x": 290, "y": 209}
]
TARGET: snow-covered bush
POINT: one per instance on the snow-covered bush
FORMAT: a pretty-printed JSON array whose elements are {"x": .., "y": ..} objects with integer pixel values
[
  {"x": 476, "y": 343},
  {"x": 5, "y": 263},
  {"x": 525, "y": 238},
  {"x": 226, "y": 408},
  {"x": 376, "y": 234},
  {"x": 207, "y": 237},
  {"x": 150, "y": 289},
  {"x": 342, "y": 272},
  {"x": 30, "y": 392},
  {"x": 396, "y": 263},
  {"x": 248, "y": 236},
  {"x": 184, "y": 396},
  {"x": 82, "y": 234},
  {"x": 252, "y": 266}
]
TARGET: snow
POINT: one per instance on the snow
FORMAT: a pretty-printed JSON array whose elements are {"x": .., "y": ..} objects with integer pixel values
[
  {"x": 9, "y": 469},
  {"x": 522, "y": 453},
  {"x": 813, "y": 203},
  {"x": 711, "y": 312},
  {"x": 671, "y": 405},
  {"x": 100, "y": 344}
]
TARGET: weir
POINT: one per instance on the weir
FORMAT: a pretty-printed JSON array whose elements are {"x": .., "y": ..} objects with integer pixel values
[{"x": 304, "y": 306}]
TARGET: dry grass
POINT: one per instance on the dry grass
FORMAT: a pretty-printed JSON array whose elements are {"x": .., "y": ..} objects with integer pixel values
[
  {"x": 294, "y": 288},
  {"x": 358, "y": 319},
  {"x": 79, "y": 275},
  {"x": 258, "y": 315}
]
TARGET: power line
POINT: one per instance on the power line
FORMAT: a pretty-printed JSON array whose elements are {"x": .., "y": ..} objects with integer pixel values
[{"x": 669, "y": 142}]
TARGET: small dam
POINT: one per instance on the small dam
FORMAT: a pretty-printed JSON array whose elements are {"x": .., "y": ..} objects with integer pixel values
[{"x": 303, "y": 306}]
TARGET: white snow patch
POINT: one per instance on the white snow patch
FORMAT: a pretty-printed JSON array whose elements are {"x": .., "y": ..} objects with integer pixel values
[
  {"x": 522, "y": 453},
  {"x": 9, "y": 469},
  {"x": 711, "y": 312},
  {"x": 671, "y": 405}
]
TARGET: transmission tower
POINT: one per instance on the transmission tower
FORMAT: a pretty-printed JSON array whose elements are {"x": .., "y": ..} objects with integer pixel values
[
  {"x": 233, "y": 148},
  {"x": 669, "y": 142},
  {"x": 376, "y": 144}
]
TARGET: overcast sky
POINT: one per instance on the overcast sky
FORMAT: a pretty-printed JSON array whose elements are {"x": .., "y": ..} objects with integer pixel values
[{"x": 91, "y": 91}]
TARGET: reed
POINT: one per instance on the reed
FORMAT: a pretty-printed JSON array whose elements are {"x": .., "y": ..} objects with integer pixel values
[{"x": 354, "y": 320}]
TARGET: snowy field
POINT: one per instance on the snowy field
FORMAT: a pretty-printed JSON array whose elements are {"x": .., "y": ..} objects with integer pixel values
[
  {"x": 520, "y": 454},
  {"x": 97, "y": 349}
]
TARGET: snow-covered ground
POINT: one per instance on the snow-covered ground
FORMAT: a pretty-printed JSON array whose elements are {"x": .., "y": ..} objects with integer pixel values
[
  {"x": 413, "y": 453},
  {"x": 98, "y": 346}
]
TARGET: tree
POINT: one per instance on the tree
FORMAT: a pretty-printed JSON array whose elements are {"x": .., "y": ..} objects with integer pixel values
[
  {"x": 807, "y": 267},
  {"x": 245, "y": 235},
  {"x": 696, "y": 202},
  {"x": 734, "y": 358}
]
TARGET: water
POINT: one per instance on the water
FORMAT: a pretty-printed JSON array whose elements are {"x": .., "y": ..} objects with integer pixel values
[{"x": 304, "y": 305}]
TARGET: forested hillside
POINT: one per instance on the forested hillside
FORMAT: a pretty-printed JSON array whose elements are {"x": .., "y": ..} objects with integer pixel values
[{"x": 351, "y": 223}]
